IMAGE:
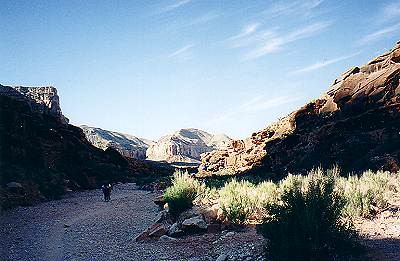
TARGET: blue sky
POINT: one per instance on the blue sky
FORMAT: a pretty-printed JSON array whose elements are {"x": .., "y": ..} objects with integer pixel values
[{"x": 149, "y": 68}]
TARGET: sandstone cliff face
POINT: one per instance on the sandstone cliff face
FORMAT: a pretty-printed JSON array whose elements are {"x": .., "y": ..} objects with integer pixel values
[
  {"x": 128, "y": 145},
  {"x": 355, "y": 125},
  {"x": 44, "y": 100},
  {"x": 186, "y": 145}
]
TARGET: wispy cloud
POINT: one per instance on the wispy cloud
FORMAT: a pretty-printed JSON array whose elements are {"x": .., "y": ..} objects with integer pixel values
[
  {"x": 183, "y": 52},
  {"x": 379, "y": 34},
  {"x": 257, "y": 104},
  {"x": 319, "y": 65},
  {"x": 246, "y": 31},
  {"x": 205, "y": 18},
  {"x": 284, "y": 8},
  {"x": 271, "y": 41},
  {"x": 173, "y": 6},
  {"x": 390, "y": 11}
]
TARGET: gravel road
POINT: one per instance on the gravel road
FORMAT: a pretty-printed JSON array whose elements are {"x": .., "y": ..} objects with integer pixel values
[{"x": 83, "y": 227}]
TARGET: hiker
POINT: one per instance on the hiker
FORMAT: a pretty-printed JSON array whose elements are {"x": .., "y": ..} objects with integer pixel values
[
  {"x": 106, "y": 192},
  {"x": 109, "y": 189}
]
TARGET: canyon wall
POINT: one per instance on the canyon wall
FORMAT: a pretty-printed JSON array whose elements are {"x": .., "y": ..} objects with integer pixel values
[
  {"x": 354, "y": 125},
  {"x": 44, "y": 100}
]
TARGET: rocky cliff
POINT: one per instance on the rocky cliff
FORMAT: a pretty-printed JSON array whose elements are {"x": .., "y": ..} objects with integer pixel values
[
  {"x": 186, "y": 145},
  {"x": 44, "y": 100},
  {"x": 128, "y": 145},
  {"x": 41, "y": 156},
  {"x": 355, "y": 125}
]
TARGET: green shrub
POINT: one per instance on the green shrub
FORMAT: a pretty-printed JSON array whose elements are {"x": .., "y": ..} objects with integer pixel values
[
  {"x": 369, "y": 193},
  {"x": 307, "y": 222},
  {"x": 236, "y": 200},
  {"x": 182, "y": 193}
]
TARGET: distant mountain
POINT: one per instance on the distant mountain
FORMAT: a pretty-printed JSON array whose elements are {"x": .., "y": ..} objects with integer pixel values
[
  {"x": 186, "y": 145},
  {"x": 128, "y": 145}
]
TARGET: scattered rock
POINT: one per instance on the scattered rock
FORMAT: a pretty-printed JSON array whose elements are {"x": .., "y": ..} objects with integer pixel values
[
  {"x": 14, "y": 185},
  {"x": 230, "y": 234},
  {"x": 222, "y": 257},
  {"x": 167, "y": 238},
  {"x": 155, "y": 231},
  {"x": 158, "y": 231},
  {"x": 175, "y": 230},
  {"x": 196, "y": 223}
]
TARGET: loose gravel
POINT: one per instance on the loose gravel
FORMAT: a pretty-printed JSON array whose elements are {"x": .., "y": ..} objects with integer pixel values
[{"x": 81, "y": 226}]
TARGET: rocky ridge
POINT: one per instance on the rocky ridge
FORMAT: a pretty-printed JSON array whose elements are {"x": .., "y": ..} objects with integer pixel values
[
  {"x": 128, "y": 145},
  {"x": 354, "y": 125},
  {"x": 44, "y": 100},
  {"x": 42, "y": 157},
  {"x": 186, "y": 145}
]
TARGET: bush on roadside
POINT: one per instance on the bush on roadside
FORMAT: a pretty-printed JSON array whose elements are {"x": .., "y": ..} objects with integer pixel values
[
  {"x": 182, "y": 193},
  {"x": 307, "y": 222}
]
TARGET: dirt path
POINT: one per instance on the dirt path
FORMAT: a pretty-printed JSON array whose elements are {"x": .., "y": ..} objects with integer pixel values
[
  {"x": 381, "y": 234},
  {"x": 83, "y": 227}
]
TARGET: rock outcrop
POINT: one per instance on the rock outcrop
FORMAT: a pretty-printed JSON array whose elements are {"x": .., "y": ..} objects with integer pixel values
[
  {"x": 186, "y": 145},
  {"x": 355, "y": 125},
  {"x": 44, "y": 100},
  {"x": 128, "y": 145},
  {"x": 42, "y": 157}
]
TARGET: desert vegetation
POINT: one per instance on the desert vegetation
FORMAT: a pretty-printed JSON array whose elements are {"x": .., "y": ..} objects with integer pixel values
[
  {"x": 314, "y": 212},
  {"x": 183, "y": 191}
]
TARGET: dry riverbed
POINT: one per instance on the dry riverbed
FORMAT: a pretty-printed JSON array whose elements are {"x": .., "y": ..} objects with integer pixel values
[{"x": 83, "y": 227}]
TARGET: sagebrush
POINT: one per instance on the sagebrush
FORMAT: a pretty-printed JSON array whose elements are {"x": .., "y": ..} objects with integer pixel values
[{"x": 182, "y": 193}]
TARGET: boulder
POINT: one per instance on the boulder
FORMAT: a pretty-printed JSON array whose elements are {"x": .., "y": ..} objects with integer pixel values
[
  {"x": 222, "y": 257},
  {"x": 194, "y": 223},
  {"x": 175, "y": 230},
  {"x": 153, "y": 232},
  {"x": 167, "y": 238},
  {"x": 14, "y": 185}
]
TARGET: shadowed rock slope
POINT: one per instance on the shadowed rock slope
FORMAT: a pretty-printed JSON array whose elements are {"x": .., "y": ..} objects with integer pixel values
[
  {"x": 355, "y": 125},
  {"x": 41, "y": 156}
]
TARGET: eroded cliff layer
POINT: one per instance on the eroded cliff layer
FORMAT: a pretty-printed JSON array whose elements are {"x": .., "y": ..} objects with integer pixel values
[
  {"x": 186, "y": 145},
  {"x": 44, "y": 100},
  {"x": 128, "y": 145},
  {"x": 355, "y": 125}
]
